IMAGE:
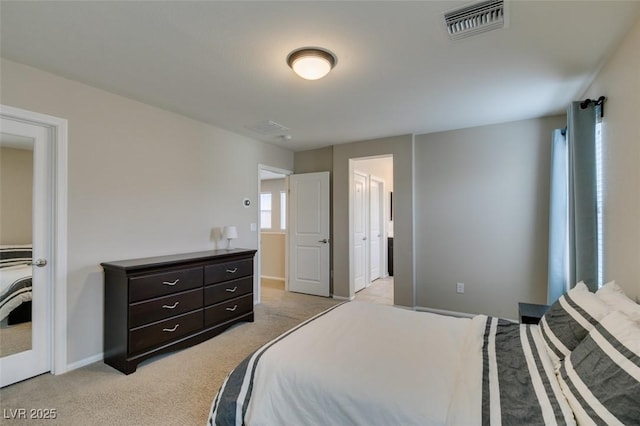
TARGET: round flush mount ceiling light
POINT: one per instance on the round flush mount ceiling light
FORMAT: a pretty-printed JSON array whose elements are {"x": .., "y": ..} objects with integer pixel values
[{"x": 311, "y": 63}]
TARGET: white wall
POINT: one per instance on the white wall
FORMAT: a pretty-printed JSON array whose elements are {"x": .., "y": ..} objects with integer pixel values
[
  {"x": 619, "y": 81},
  {"x": 482, "y": 207},
  {"x": 142, "y": 182}
]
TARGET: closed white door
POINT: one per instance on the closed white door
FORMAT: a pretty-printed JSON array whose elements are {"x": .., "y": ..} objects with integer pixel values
[
  {"x": 376, "y": 227},
  {"x": 30, "y": 354},
  {"x": 360, "y": 231},
  {"x": 309, "y": 246}
]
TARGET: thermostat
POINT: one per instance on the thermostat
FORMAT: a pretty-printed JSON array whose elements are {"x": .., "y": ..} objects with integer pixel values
[{"x": 246, "y": 202}]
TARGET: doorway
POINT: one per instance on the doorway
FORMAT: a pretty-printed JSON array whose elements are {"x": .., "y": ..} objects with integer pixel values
[
  {"x": 33, "y": 272},
  {"x": 272, "y": 229},
  {"x": 370, "y": 220}
]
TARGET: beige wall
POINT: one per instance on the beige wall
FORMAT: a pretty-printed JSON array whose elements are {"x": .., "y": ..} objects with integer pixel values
[
  {"x": 274, "y": 186},
  {"x": 272, "y": 242},
  {"x": 142, "y": 182},
  {"x": 482, "y": 201},
  {"x": 619, "y": 81},
  {"x": 272, "y": 245},
  {"x": 16, "y": 188}
]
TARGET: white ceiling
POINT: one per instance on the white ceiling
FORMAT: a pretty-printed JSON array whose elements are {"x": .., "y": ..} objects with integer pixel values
[{"x": 397, "y": 71}]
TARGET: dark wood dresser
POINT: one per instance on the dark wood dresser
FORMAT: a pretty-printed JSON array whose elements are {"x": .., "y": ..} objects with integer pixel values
[{"x": 160, "y": 304}]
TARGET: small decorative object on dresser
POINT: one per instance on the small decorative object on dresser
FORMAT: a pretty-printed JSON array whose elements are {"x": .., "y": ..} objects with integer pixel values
[
  {"x": 160, "y": 304},
  {"x": 531, "y": 313}
]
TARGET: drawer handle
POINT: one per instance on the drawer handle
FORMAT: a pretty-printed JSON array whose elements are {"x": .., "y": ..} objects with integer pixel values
[
  {"x": 232, "y": 271},
  {"x": 232, "y": 309},
  {"x": 171, "y": 330},
  {"x": 171, "y": 283},
  {"x": 231, "y": 290},
  {"x": 172, "y": 306}
]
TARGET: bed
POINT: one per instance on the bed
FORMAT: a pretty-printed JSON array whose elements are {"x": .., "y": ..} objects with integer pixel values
[
  {"x": 15, "y": 283},
  {"x": 365, "y": 364}
]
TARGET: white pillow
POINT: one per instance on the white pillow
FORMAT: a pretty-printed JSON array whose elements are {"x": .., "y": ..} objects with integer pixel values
[
  {"x": 569, "y": 320},
  {"x": 601, "y": 377},
  {"x": 613, "y": 295}
]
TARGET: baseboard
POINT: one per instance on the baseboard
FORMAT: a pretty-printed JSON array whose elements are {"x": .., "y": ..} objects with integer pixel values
[
  {"x": 445, "y": 312},
  {"x": 84, "y": 362},
  {"x": 343, "y": 298},
  {"x": 268, "y": 277}
]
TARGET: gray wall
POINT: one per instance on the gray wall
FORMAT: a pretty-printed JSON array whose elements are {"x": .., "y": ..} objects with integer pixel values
[
  {"x": 142, "y": 182},
  {"x": 336, "y": 159},
  {"x": 482, "y": 200},
  {"x": 619, "y": 81},
  {"x": 16, "y": 189},
  {"x": 401, "y": 147}
]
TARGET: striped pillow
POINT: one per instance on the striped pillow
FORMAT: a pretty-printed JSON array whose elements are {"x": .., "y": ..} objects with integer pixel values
[
  {"x": 613, "y": 295},
  {"x": 601, "y": 377},
  {"x": 569, "y": 320},
  {"x": 12, "y": 255}
]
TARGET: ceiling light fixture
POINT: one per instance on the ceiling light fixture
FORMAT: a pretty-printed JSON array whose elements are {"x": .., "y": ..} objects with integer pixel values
[{"x": 311, "y": 63}]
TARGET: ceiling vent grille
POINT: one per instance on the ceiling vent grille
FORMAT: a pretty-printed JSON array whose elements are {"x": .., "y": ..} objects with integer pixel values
[
  {"x": 475, "y": 18},
  {"x": 268, "y": 128}
]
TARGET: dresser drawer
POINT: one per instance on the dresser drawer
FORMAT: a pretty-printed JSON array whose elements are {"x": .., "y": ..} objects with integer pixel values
[
  {"x": 227, "y": 310},
  {"x": 141, "y": 313},
  {"x": 228, "y": 290},
  {"x": 155, "y": 285},
  {"x": 227, "y": 271},
  {"x": 151, "y": 335}
]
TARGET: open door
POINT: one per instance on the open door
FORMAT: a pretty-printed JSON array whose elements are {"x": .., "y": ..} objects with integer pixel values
[
  {"x": 25, "y": 276},
  {"x": 309, "y": 233}
]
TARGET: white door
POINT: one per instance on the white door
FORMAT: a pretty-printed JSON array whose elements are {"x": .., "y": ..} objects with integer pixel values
[
  {"x": 360, "y": 230},
  {"x": 32, "y": 355},
  {"x": 309, "y": 233},
  {"x": 376, "y": 228}
]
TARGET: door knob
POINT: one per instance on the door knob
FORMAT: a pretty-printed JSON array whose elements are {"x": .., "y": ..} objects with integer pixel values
[
  {"x": 40, "y": 262},
  {"x": 364, "y": 238},
  {"x": 323, "y": 241}
]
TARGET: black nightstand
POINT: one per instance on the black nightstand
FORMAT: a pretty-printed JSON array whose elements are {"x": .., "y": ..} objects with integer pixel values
[{"x": 530, "y": 313}]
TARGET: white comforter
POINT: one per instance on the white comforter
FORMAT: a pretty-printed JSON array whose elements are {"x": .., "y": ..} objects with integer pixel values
[{"x": 366, "y": 364}]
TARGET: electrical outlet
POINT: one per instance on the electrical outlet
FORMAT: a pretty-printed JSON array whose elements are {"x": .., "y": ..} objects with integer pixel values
[{"x": 460, "y": 288}]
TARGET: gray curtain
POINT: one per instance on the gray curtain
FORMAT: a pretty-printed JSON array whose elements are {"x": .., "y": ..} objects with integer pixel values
[
  {"x": 573, "y": 240},
  {"x": 558, "y": 218},
  {"x": 583, "y": 253}
]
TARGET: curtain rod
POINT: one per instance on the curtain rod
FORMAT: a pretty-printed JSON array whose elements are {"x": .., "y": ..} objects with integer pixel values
[{"x": 600, "y": 101}]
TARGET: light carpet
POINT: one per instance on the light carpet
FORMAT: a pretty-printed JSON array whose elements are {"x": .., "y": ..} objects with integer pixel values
[{"x": 172, "y": 389}]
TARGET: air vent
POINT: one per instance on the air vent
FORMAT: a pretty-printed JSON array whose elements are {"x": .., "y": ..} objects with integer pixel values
[
  {"x": 475, "y": 18},
  {"x": 268, "y": 128}
]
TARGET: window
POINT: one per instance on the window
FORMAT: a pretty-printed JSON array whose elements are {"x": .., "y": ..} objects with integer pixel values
[
  {"x": 599, "y": 199},
  {"x": 576, "y": 228},
  {"x": 283, "y": 210},
  {"x": 265, "y": 210}
]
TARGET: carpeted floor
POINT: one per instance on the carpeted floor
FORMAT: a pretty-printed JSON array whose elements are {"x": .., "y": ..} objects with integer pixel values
[
  {"x": 174, "y": 389},
  {"x": 15, "y": 338}
]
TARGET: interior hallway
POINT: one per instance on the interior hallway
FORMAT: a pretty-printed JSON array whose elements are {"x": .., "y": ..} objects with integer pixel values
[{"x": 380, "y": 291}]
